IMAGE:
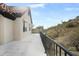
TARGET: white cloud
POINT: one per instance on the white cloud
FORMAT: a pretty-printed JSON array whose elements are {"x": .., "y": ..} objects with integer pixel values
[
  {"x": 37, "y": 5},
  {"x": 71, "y": 9},
  {"x": 68, "y": 9}
]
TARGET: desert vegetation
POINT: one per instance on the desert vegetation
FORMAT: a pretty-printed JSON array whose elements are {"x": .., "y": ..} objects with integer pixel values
[{"x": 67, "y": 34}]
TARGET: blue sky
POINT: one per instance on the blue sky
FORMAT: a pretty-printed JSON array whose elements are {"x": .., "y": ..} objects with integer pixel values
[{"x": 51, "y": 14}]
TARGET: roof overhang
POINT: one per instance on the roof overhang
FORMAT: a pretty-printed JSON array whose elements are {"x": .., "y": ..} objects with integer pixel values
[{"x": 10, "y": 12}]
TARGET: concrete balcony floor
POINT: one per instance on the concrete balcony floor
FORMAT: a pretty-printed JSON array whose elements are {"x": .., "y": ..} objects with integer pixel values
[{"x": 30, "y": 45}]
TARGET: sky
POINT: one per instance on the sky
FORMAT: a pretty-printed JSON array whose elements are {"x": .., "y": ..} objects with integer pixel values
[{"x": 50, "y": 14}]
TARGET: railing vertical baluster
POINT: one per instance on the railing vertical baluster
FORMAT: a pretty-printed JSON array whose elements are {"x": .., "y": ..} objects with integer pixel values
[
  {"x": 65, "y": 54},
  {"x": 59, "y": 51},
  {"x": 56, "y": 50}
]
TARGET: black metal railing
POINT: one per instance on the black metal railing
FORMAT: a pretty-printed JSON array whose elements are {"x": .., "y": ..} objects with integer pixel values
[{"x": 52, "y": 48}]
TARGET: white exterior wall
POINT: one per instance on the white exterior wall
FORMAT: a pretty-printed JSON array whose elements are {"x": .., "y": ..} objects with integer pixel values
[
  {"x": 10, "y": 30},
  {"x": 6, "y": 30},
  {"x": 1, "y": 30},
  {"x": 18, "y": 29},
  {"x": 27, "y": 18},
  {"x": 13, "y": 30}
]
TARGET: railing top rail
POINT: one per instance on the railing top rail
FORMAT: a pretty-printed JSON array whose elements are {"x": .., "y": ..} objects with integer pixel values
[{"x": 63, "y": 48}]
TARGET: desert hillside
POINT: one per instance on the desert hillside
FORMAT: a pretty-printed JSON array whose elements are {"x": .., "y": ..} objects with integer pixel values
[{"x": 66, "y": 34}]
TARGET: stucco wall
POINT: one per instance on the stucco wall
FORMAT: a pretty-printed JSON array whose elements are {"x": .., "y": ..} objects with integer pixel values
[
  {"x": 13, "y": 30},
  {"x": 28, "y": 24},
  {"x": 27, "y": 18},
  {"x": 6, "y": 30},
  {"x": 1, "y": 30},
  {"x": 10, "y": 30},
  {"x": 18, "y": 29}
]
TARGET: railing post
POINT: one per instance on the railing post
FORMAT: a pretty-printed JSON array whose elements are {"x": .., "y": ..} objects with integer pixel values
[
  {"x": 59, "y": 51},
  {"x": 65, "y": 54},
  {"x": 56, "y": 50}
]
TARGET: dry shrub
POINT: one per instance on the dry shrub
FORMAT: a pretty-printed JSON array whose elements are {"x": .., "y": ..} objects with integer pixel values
[
  {"x": 52, "y": 33},
  {"x": 70, "y": 40}
]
